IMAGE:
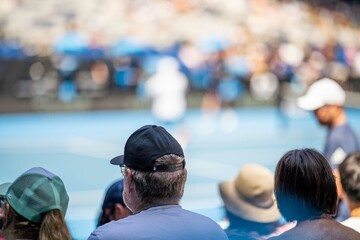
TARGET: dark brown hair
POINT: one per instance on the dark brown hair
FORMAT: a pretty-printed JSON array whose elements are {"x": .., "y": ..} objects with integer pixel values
[
  {"x": 349, "y": 171},
  {"x": 305, "y": 186},
  {"x": 53, "y": 226}
]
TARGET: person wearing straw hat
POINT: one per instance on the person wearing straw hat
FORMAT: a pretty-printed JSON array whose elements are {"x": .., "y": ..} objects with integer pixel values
[{"x": 250, "y": 205}]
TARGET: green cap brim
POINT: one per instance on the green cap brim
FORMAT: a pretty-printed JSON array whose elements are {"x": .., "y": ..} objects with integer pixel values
[{"x": 4, "y": 187}]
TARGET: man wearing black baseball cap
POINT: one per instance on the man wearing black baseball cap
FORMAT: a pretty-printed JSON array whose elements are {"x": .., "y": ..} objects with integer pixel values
[{"x": 154, "y": 171}]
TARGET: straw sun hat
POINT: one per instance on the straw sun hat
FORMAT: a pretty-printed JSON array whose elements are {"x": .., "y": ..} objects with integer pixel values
[{"x": 250, "y": 195}]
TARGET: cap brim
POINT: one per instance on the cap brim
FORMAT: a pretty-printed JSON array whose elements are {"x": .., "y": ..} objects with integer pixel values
[
  {"x": 309, "y": 103},
  {"x": 4, "y": 187},
  {"x": 119, "y": 160},
  {"x": 239, "y": 207}
]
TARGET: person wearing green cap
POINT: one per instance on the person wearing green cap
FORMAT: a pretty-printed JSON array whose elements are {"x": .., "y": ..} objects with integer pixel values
[
  {"x": 3, "y": 189},
  {"x": 34, "y": 207}
]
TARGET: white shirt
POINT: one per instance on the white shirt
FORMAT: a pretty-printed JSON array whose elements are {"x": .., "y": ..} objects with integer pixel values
[{"x": 352, "y": 222}]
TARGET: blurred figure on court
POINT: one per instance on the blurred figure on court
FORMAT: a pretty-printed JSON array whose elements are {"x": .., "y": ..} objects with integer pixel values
[
  {"x": 249, "y": 203},
  {"x": 35, "y": 206},
  {"x": 113, "y": 207},
  {"x": 349, "y": 171},
  {"x": 306, "y": 192},
  {"x": 326, "y": 99},
  {"x": 154, "y": 171},
  {"x": 3, "y": 189},
  {"x": 68, "y": 48},
  {"x": 168, "y": 88}
]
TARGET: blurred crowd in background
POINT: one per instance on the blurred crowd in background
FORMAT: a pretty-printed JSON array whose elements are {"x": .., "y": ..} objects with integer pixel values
[{"x": 270, "y": 50}]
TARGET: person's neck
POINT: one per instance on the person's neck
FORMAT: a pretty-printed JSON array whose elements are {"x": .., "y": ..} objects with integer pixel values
[
  {"x": 339, "y": 120},
  {"x": 148, "y": 206}
]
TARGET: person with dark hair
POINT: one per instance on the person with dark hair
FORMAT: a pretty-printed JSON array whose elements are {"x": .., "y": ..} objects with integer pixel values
[
  {"x": 35, "y": 206},
  {"x": 154, "y": 172},
  {"x": 113, "y": 207},
  {"x": 326, "y": 98},
  {"x": 306, "y": 192},
  {"x": 349, "y": 171},
  {"x": 249, "y": 204}
]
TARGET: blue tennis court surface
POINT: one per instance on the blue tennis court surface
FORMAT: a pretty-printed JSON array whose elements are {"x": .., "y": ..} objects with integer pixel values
[{"x": 78, "y": 147}]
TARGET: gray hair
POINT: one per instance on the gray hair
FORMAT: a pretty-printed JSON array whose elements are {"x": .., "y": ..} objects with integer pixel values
[{"x": 161, "y": 187}]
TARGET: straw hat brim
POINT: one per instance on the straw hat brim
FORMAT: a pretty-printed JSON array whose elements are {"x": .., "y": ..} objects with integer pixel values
[{"x": 245, "y": 210}]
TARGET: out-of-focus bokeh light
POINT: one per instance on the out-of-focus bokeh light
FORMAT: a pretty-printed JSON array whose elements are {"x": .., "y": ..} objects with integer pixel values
[{"x": 107, "y": 49}]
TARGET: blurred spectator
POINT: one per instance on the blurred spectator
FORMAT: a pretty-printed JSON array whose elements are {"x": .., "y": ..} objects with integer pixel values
[
  {"x": 127, "y": 54},
  {"x": 326, "y": 99},
  {"x": 68, "y": 49},
  {"x": 154, "y": 171},
  {"x": 72, "y": 41},
  {"x": 168, "y": 88},
  {"x": 249, "y": 203},
  {"x": 113, "y": 207},
  {"x": 193, "y": 61},
  {"x": 305, "y": 191},
  {"x": 349, "y": 171},
  {"x": 94, "y": 82},
  {"x": 35, "y": 206},
  {"x": 275, "y": 48}
]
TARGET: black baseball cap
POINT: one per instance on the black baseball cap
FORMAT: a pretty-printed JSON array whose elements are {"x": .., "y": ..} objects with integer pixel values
[{"x": 147, "y": 144}]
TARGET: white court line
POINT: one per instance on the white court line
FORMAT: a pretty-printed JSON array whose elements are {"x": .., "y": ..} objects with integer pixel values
[
  {"x": 84, "y": 204},
  {"x": 73, "y": 144},
  {"x": 33, "y": 145},
  {"x": 213, "y": 170},
  {"x": 92, "y": 148}
]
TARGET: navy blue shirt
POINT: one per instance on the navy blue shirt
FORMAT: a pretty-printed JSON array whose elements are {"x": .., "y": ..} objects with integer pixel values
[{"x": 340, "y": 141}]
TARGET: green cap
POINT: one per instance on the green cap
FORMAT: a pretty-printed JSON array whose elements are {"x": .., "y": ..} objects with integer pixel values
[
  {"x": 3, "y": 188},
  {"x": 35, "y": 192}
]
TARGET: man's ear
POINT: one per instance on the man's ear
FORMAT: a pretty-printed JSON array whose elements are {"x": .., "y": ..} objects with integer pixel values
[{"x": 128, "y": 180}]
